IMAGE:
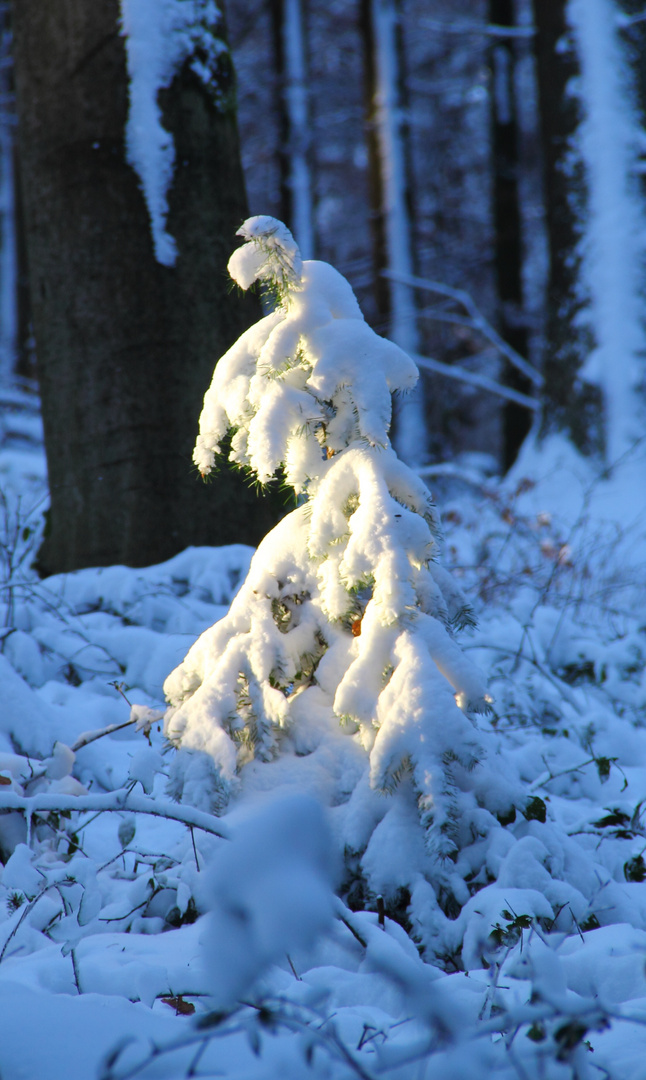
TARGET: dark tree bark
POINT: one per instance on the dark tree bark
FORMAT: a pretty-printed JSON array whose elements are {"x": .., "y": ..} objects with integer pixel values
[
  {"x": 125, "y": 346},
  {"x": 508, "y": 247},
  {"x": 570, "y": 404},
  {"x": 25, "y": 352},
  {"x": 376, "y": 194},
  {"x": 8, "y": 321}
]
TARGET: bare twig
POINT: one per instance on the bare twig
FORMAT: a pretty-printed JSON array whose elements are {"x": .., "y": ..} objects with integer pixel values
[
  {"x": 469, "y": 26},
  {"x": 478, "y": 320},
  {"x": 473, "y": 378},
  {"x": 91, "y": 736}
]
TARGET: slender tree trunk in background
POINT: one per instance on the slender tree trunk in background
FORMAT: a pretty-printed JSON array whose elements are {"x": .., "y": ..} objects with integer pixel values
[
  {"x": 508, "y": 247},
  {"x": 290, "y": 50},
  {"x": 25, "y": 350},
  {"x": 125, "y": 346},
  {"x": 8, "y": 267},
  {"x": 632, "y": 27},
  {"x": 570, "y": 404},
  {"x": 390, "y": 206}
]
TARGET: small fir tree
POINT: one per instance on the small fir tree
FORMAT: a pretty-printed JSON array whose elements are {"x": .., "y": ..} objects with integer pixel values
[{"x": 343, "y": 634}]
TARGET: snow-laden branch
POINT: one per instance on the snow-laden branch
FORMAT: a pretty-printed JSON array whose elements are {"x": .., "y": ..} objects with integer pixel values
[
  {"x": 113, "y": 801},
  {"x": 468, "y": 26},
  {"x": 623, "y": 20},
  {"x": 474, "y": 379},
  {"x": 478, "y": 320}
]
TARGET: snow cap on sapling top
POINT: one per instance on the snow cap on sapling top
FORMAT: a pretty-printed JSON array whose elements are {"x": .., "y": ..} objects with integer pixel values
[
  {"x": 311, "y": 376},
  {"x": 273, "y": 255}
]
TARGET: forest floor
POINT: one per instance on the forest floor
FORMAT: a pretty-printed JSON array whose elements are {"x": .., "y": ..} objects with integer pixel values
[{"x": 116, "y": 903}]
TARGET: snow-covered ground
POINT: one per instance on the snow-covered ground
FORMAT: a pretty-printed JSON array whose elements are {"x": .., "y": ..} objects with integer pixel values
[{"x": 122, "y": 932}]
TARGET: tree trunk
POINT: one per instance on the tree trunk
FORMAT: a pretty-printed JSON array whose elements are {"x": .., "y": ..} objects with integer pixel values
[
  {"x": 570, "y": 404},
  {"x": 508, "y": 247},
  {"x": 296, "y": 200},
  {"x": 390, "y": 207},
  {"x": 8, "y": 271},
  {"x": 125, "y": 346}
]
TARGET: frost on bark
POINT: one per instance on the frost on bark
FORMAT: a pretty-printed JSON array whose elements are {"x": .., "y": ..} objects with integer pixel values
[
  {"x": 610, "y": 142},
  {"x": 390, "y": 206},
  {"x": 125, "y": 344},
  {"x": 595, "y": 214}
]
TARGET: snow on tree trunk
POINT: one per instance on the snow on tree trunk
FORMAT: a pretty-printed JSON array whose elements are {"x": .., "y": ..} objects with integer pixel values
[
  {"x": 125, "y": 344},
  {"x": 161, "y": 35},
  {"x": 344, "y": 627},
  {"x": 381, "y": 18},
  {"x": 609, "y": 141}
]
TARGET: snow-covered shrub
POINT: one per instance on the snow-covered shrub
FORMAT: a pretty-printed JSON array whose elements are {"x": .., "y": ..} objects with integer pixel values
[
  {"x": 544, "y": 959},
  {"x": 344, "y": 630}
]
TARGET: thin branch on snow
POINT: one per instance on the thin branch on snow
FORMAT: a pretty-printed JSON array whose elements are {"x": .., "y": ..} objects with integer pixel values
[
  {"x": 456, "y": 472},
  {"x": 278, "y": 1012},
  {"x": 519, "y": 655},
  {"x": 91, "y": 736},
  {"x": 23, "y": 915}
]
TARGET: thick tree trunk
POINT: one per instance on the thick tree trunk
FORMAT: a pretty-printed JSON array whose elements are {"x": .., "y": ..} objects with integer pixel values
[
  {"x": 125, "y": 346},
  {"x": 570, "y": 404},
  {"x": 508, "y": 247}
]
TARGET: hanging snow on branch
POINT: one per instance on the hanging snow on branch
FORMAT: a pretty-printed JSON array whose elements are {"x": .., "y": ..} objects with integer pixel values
[
  {"x": 346, "y": 617},
  {"x": 161, "y": 35}
]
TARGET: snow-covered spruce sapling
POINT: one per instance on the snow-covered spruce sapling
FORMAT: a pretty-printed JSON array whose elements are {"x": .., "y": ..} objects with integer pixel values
[{"x": 346, "y": 618}]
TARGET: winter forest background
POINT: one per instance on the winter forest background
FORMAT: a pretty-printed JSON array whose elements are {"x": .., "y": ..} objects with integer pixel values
[{"x": 370, "y": 802}]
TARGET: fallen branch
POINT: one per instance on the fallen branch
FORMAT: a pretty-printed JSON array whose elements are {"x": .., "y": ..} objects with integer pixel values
[{"x": 113, "y": 802}]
